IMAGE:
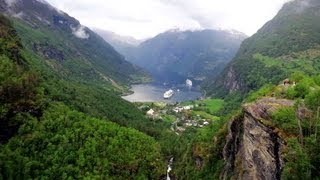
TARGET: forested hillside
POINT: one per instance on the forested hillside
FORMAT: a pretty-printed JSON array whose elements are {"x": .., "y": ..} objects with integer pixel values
[
  {"x": 70, "y": 48},
  {"x": 44, "y": 131},
  {"x": 270, "y": 118},
  {"x": 273, "y": 134},
  {"x": 74, "y": 79},
  {"x": 62, "y": 117},
  {"x": 287, "y": 43}
]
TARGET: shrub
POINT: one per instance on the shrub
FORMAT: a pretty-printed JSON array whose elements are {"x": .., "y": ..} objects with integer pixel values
[{"x": 285, "y": 118}]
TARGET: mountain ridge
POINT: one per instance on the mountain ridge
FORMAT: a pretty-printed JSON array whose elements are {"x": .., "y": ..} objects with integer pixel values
[
  {"x": 293, "y": 30},
  {"x": 74, "y": 40},
  {"x": 174, "y": 55}
]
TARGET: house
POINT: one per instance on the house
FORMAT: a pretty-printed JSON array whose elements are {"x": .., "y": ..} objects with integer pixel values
[
  {"x": 178, "y": 109},
  {"x": 150, "y": 112},
  {"x": 188, "y": 107}
]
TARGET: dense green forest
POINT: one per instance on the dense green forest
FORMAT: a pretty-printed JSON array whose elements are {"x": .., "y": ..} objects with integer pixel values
[
  {"x": 64, "y": 144},
  {"x": 53, "y": 141},
  {"x": 62, "y": 117}
]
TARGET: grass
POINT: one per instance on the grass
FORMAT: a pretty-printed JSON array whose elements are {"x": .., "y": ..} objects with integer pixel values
[
  {"x": 213, "y": 105},
  {"x": 300, "y": 61},
  {"x": 205, "y": 115},
  {"x": 169, "y": 118},
  {"x": 268, "y": 61}
]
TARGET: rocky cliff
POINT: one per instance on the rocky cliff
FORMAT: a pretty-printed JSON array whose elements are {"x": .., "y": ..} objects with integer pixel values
[{"x": 254, "y": 148}]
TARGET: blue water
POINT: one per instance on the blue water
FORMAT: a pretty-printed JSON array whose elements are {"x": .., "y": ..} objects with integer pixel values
[{"x": 154, "y": 93}]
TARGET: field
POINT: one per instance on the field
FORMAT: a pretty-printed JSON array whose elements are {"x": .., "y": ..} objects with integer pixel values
[{"x": 213, "y": 105}]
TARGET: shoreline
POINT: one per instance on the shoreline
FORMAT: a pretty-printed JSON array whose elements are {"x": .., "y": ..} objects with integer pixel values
[{"x": 154, "y": 93}]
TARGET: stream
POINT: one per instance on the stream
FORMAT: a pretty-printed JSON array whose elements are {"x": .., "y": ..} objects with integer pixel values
[{"x": 169, "y": 168}]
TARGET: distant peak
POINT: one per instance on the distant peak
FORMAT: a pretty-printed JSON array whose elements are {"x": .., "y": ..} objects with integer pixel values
[
  {"x": 115, "y": 38},
  {"x": 175, "y": 30},
  {"x": 43, "y": 2}
]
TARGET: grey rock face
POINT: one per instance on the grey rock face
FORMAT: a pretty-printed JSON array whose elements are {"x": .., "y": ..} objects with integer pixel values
[
  {"x": 232, "y": 83},
  {"x": 253, "y": 149}
]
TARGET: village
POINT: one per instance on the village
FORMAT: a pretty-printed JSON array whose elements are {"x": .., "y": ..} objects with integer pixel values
[{"x": 185, "y": 115}]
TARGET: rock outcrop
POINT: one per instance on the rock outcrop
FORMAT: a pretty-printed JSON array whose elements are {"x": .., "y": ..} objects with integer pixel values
[
  {"x": 232, "y": 82},
  {"x": 48, "y": 51},
  {"x": 253, "y": 148}
]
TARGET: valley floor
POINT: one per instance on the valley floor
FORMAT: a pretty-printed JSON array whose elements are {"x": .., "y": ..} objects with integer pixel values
[{"x": 188, "y": 120}]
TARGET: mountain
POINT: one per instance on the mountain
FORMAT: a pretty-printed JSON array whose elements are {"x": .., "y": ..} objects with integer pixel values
[
  {"x": 117, "y": 40},
  {"x": 67, "y": 46},
  {"x": 175, "y": 55},
  {"x": 288, "y": 43},
  {"x": 75, "y": 65},
  {"x": 43, "y": 125},
  {"x": 125, "y": 45},
  {"x": 60, "y": 120},
  {"x": 272, "y": 88}
]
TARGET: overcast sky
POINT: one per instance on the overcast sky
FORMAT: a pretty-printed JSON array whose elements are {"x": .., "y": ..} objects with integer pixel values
[{"x": 146, "y": 18}]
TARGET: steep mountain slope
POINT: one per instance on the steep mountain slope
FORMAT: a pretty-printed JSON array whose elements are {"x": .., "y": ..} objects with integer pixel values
[
  {"x": 41, "y": 137},
  {"x": 120, "y": 43},
  {"x": 289, "y": 42},
  {"x": 273, "y": 135},
  {"x": 176, "y": 55},
  {"x": 253, "y": 149},
  {"x": 85, "y": 74},
  {"x": 67, "y": 46},
  {"x": 125, "y": 45}
]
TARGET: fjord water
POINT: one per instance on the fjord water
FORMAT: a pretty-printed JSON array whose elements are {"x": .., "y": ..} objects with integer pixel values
[{"x": 154, "y": 93}]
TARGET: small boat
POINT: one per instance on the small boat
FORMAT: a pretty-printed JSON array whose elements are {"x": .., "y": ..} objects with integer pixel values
[{"x": 168, "y": 94}]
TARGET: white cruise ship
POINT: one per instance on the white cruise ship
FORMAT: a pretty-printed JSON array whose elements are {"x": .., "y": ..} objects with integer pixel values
[
  {"x": 168, "y": 94},
  {"x": 188, "y": 83}
]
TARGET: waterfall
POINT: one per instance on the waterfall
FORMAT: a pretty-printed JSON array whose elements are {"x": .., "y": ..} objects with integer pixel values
[{"x": 169, "y": 168}]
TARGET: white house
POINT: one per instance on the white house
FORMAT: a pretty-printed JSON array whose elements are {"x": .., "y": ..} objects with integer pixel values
[
  {"x": 150, "y": 112},
  {"x": 178, "y": 109},
  {"x": 188, "y": 107}
]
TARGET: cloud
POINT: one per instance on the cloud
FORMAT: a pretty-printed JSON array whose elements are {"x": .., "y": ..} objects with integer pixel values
[
  {"x": 80, "y": 32},
  {"x": 146, "y": 18},
  {"x": 303, "y": 5},
  {"x": 11, "y": 2}
]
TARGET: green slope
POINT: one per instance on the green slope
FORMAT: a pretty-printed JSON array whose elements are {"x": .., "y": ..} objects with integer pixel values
[
  {"x": 289, "y": 42},
  {"x": 65, "y": 144},
  {"x": 68, "y": 47},
  {"x": 286, "y": 47},
  {"x": 85, "y": 74},
  {"x": 43, "y": 134}
]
